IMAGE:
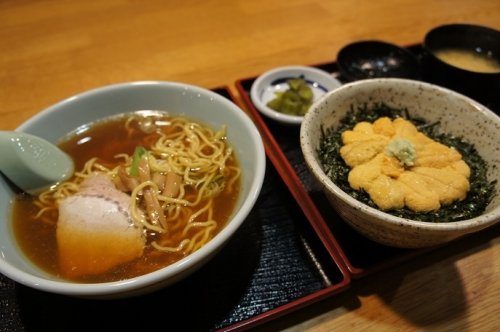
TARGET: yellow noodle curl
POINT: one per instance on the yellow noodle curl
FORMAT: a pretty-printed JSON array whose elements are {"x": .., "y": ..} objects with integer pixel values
[{"x": 198, "y": 155}]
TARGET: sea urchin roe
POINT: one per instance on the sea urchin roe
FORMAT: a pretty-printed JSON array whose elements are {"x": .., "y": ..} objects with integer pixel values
[{"x": 399, "y": 166}]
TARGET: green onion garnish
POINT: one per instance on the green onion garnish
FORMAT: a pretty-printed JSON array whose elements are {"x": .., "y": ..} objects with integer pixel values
[{"x": 138, "y": 153}]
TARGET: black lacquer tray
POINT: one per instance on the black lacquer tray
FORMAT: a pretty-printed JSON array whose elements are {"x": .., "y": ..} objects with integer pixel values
[
  {"x": 361, "y": 255},
  {"x": 277, "y": 262}
]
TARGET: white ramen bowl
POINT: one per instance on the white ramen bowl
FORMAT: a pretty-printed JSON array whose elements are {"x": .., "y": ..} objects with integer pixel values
[
  {"x": 458, "y": 115},
  {"x": 194, "y": 102}
]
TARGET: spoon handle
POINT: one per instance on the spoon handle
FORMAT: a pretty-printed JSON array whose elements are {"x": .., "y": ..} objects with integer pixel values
[{"x": 32, "y": 163}]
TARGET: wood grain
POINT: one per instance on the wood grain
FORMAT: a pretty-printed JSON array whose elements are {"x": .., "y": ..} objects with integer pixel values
[{"x": 52, "y": 49}]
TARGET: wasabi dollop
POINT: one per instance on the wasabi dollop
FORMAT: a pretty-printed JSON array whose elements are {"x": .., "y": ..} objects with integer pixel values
[{"x": 403, "y": 150}]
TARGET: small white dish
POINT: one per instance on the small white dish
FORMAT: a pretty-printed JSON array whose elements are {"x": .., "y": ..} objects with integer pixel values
[{"x": 266, "y": 85}]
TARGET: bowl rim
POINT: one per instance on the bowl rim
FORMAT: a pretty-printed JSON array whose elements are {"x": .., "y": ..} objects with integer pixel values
[
  {"x": 123, "y": 287},
  {"x": 275, "y": 73},
  {"x": 314, "y": 166},
  {"x": 457, "y": 25}
]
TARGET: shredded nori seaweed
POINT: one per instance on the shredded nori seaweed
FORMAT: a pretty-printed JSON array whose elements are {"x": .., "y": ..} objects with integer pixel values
[{"x": 481, "y": 190}]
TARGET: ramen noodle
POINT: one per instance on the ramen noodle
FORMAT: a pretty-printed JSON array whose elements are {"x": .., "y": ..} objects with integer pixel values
[{"x": 151, "y": 189}]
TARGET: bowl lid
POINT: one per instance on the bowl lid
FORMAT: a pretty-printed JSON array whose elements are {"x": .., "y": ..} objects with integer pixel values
[{"x": 376, "y": 59}]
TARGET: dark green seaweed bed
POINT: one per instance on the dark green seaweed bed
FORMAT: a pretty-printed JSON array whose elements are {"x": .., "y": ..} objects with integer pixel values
[{"x": 481, "y": 190}]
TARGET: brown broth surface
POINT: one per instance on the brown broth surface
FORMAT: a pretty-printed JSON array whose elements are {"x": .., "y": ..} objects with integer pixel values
[{"x": 37, "y": 238}]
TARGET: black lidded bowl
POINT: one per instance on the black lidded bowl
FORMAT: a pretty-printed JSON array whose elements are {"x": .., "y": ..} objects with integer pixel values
[
  {"x": 376, "y": 59},
  {"x": 484, "y": 87}
]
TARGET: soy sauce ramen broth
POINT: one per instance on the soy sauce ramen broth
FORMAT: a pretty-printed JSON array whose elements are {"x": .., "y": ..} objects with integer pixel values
[{"x": 103, "y": 140}]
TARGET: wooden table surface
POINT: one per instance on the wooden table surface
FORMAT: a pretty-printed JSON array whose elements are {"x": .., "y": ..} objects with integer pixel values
[{"x": 50, "y": 50}]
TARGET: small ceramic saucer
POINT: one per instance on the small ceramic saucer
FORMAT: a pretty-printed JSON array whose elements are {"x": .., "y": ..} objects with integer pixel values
[{"x": 266, "y": 85}]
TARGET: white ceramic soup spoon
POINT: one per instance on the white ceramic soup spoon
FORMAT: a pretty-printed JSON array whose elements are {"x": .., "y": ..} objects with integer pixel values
[{"x": 32, "y": 163}]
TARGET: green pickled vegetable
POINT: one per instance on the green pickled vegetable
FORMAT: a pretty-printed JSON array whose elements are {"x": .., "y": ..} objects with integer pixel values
[{"x": 294, "y": 101}]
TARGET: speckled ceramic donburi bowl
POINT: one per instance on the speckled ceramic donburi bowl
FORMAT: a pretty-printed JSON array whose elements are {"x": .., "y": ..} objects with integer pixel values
[{"x": 457, "y": 114}]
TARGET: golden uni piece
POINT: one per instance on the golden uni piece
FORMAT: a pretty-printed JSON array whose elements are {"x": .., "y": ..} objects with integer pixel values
[{"x": 399, "y": 166}]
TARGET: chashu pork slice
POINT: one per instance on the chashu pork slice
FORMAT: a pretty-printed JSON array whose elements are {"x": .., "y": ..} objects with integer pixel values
[{"x": 95, "y": 231}]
